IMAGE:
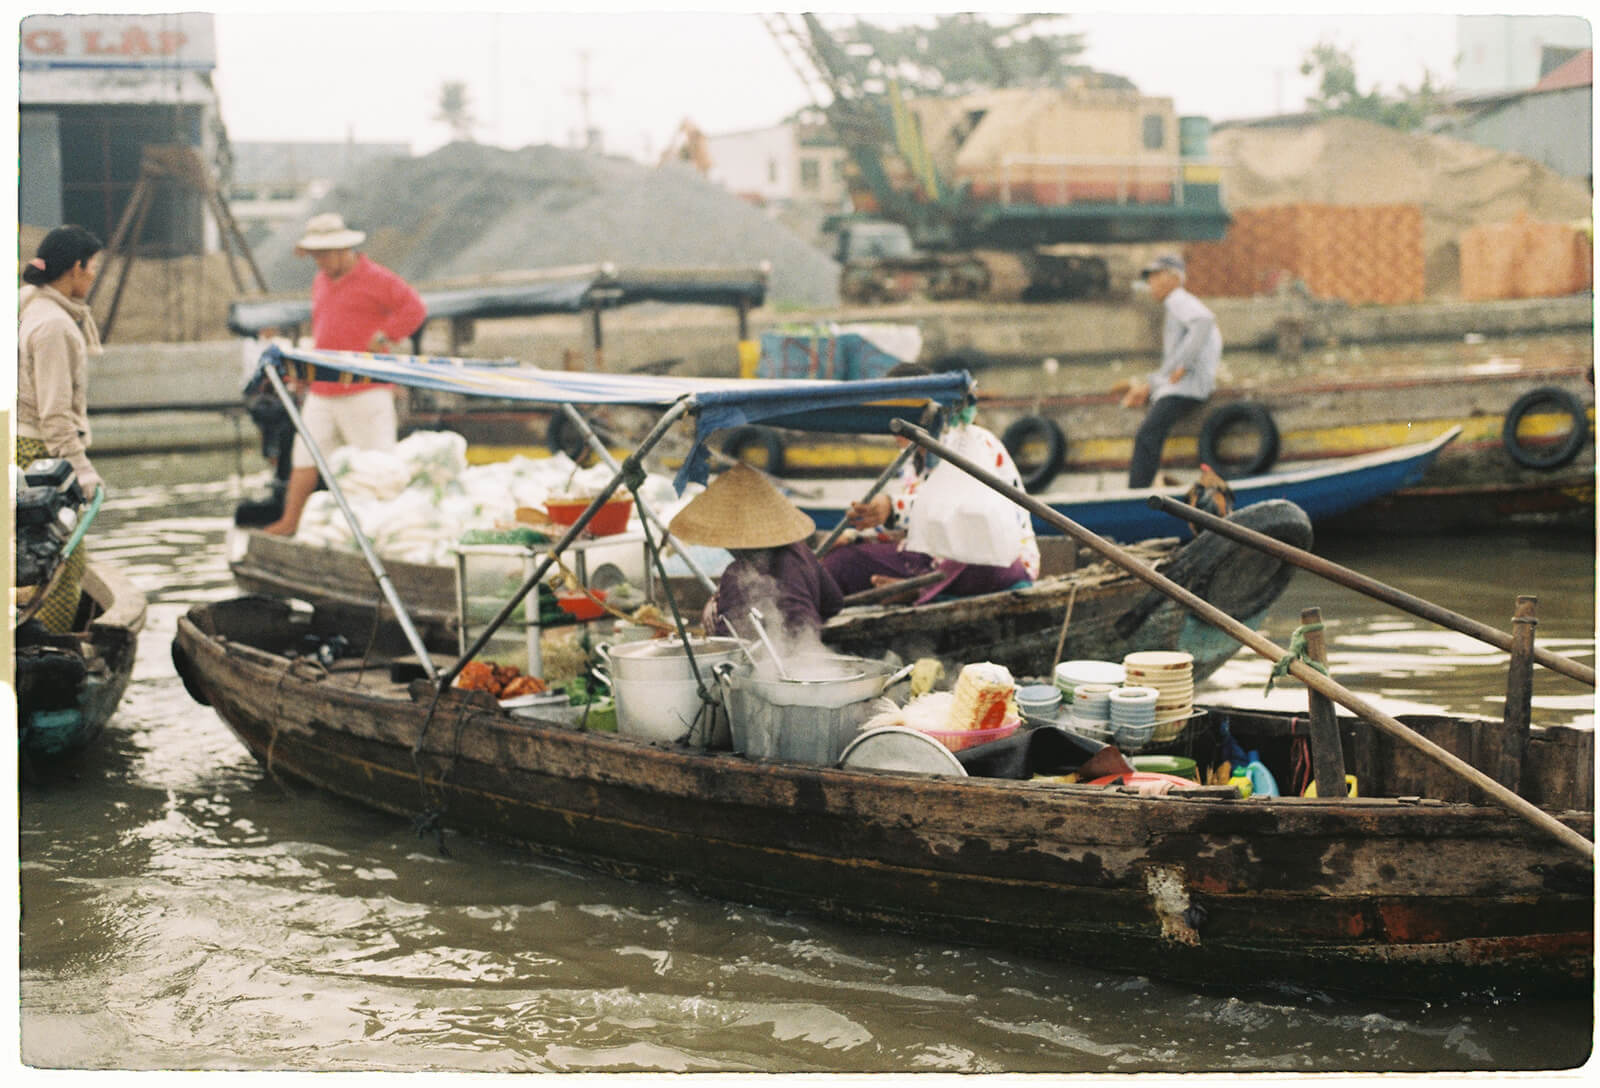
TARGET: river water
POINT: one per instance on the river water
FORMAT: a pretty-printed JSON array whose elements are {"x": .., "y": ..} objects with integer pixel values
[{"x": 180, "y": 911}]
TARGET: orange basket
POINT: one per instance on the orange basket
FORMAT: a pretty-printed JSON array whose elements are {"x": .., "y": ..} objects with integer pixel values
[{"x": 610, "y": 519}]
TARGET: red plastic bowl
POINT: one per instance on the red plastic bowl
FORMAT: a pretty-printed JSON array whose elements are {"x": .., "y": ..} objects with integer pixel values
[
  {"x": 579, "y": 606},
  {"x": 609, "y": 519},
  {"x": 969, "y": 738}
]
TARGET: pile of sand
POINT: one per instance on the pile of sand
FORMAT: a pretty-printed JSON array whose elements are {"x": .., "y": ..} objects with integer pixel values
[
  {"x": 1457, "y": 184},
  {"x": 469, "y": 210}
]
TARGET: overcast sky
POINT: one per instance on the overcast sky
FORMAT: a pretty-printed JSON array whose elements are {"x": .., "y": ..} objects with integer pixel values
[{"x": 375, "y": 75}]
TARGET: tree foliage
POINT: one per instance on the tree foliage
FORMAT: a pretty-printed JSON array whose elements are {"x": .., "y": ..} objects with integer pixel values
[
  {"x": 964, "y": 52},
  {"x": 455, "y": 110},
  {"x": 1339, "y": 92}
]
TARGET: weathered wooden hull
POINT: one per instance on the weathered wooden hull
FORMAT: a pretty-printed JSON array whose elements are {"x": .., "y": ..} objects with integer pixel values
[
  {"x": 1111, "y": 613},
  {"x": 65, "y": 695},
  {"x": 1369, "y": 894}
]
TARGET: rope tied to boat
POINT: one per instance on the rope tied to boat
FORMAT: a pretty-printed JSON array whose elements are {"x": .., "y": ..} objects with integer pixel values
[{"x": 1297, "y": 652}]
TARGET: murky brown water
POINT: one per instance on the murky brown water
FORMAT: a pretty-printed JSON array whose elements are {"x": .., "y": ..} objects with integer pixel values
[{"x": 179, "y": 911}]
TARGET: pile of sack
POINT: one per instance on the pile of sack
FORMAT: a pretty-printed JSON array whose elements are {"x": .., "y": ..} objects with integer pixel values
[{"x": 415, "y": 502}]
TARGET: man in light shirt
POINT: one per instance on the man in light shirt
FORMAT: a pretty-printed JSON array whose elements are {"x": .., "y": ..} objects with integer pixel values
[{"x": 1191, "y": 352}]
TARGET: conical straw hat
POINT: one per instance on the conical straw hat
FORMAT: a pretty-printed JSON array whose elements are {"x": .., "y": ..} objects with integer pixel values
[{"x": 741, "y": 509}]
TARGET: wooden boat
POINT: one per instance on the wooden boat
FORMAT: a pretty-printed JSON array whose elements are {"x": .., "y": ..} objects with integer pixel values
[
  {"x": 68, "y": 686},
  {"x": 1414, "y": 887},
  {"x": 1112, "y": 613},
  {"x": 1325, "y": 490},
  {"x": 1542, "y": 468}
]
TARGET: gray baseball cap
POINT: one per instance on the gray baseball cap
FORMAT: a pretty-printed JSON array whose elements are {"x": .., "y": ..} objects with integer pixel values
[{"x": 1168, "y": 261}]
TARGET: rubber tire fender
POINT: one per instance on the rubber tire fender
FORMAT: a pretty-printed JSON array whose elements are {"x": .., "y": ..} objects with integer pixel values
[
  {"x": 1556, "y": 456},
  {"x": 563, "y": 436},
  {"x": 1245, "y": 412},
  {"x": 1234, "y": 577},
  {"x": 749, "y": 437},
  {"x": 1033, "y": 428}
]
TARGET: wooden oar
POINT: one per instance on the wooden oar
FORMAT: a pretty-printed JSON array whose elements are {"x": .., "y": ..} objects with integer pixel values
[
  {"x": 1261, "y": 645},
  {"x": 1350, "y": 579}
]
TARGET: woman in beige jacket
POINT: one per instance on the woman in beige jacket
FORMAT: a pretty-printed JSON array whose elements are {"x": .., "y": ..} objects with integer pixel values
[{"x": 56, "y": 334}]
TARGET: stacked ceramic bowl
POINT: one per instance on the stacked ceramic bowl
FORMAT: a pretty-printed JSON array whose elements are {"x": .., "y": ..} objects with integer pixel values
[
  {"x": 1069, "y": 674},
  {"x": 1091, "y": 712},
  {"x": 1133, "y": 716},
  {"x": 1039, "y": 703},
  {"x": 1171, "y": 674}
]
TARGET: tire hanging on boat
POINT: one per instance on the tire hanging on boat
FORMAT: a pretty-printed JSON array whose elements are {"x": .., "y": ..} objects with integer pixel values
[
  {"x": 747, "y": 439},
  {"x": 1240, "y": 414},
  {"x": 1234, "y": 577},
  {"x": 563, "y": 436},
  {"x": 1558, "y": 455},
  {"x": 1028, "y": 431}
]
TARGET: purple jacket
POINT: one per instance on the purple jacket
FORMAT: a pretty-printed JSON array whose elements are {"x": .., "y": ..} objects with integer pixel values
[{"x": 787, "y": 582}]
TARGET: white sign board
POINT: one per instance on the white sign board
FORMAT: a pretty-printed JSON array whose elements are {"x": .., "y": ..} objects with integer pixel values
[{"x": 179, "y": 40}]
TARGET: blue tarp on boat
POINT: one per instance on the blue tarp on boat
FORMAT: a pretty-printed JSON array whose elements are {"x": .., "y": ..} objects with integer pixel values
[
  {"x": 853, "y": 407},
  {"x": 586, "y": 289}
]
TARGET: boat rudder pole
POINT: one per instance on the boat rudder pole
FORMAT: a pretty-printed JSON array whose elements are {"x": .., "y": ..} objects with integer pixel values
[
  {"x": 1350, "y": 579},
  {"x": 1259, "y": 643}
]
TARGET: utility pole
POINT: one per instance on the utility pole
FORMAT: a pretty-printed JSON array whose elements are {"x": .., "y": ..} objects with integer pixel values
[{"x": 584, "y": 93}]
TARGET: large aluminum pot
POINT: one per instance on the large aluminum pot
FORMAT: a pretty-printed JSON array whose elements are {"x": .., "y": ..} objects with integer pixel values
[
  {"x": 809, "y": 718},
  {"x": 655, "y": 690}
]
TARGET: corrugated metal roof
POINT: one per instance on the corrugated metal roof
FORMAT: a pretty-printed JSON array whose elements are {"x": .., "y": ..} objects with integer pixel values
[{"x": 1577, "y": 72}]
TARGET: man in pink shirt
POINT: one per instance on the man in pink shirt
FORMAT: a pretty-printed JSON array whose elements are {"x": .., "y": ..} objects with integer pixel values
[{"x": 356, "y": 305}]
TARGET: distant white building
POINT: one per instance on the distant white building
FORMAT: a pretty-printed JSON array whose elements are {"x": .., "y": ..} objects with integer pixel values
[
  {"x": 1498, "y": 53},
  {"x": 795, "y": 162}
]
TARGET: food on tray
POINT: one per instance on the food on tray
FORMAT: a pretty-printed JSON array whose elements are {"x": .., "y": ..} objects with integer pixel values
[{"x": 501, "y": 681}]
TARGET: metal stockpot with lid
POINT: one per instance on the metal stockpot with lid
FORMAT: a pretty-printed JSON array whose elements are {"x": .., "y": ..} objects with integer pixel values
[
  {"x": 656, "y": 693},
  {"x": 812, "y": 716}
]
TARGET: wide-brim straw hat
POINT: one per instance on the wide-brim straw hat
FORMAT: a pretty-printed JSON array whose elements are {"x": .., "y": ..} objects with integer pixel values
[
  {"x": 327, "y": 231},
  {"x": 741, "y": 509}
]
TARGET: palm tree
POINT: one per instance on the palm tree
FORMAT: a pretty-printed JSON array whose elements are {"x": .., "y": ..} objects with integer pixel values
[{"x": 455, "y": 110}]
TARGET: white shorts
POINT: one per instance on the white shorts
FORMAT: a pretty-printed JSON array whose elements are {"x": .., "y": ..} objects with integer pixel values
[{"x": 366, "y": 420}]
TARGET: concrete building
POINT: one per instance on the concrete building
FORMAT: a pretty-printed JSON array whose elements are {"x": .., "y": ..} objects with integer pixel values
[
  {"x": 794, "y": 162},
  {"x": 1551, "y": 122},
  {"x": 1497, "y": 53},
  {"x": 93, "y": 92}
]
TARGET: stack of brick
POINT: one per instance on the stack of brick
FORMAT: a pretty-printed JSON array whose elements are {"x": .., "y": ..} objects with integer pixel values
[
  {"x": 1525, "y": 259},
  {"x": 1360, "y": 254}
]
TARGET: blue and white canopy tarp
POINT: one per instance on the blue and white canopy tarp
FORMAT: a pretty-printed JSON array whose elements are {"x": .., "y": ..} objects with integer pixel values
[{"x": 846, "y": 407}]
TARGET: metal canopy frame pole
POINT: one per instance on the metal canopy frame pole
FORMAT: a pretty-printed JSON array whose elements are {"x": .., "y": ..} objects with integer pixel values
[
  {"x": 373, "y": 563},
  {"x": 632, "y": 463},
  {"x": 599, "y": 447}
]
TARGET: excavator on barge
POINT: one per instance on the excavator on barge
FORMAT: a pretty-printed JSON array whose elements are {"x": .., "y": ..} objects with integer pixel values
[{"x": 1015, "y": 192}]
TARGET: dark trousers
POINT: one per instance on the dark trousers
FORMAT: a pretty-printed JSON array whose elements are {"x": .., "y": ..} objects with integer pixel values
[{"x": 1159, "y": 418}]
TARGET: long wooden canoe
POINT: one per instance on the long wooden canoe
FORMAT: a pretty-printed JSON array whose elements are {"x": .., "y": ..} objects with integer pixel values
[
  {"x": 1111, "y": 613},
  {"x": 1410, "y": 888}
]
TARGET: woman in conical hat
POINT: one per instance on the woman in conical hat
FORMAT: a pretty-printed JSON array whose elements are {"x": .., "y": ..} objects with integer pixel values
[{"x": 772, "y": 569}]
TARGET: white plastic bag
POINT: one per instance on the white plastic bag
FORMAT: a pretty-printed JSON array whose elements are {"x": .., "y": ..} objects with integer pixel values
[{"x": 958, "y": 518}]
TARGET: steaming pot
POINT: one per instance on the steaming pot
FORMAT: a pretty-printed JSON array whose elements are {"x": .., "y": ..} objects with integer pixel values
[
  {"x": 810, "y": 718},
  {"x": 655, "y": 690}
]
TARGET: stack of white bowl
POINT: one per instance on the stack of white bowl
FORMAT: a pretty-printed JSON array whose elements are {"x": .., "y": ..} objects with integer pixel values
[
  {"x": 1069, "y": 674},
  {"x": 1133, "y": 716},
  {"x": 1171, "y": 673},
  {"x": 1091, "y": 711}
]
